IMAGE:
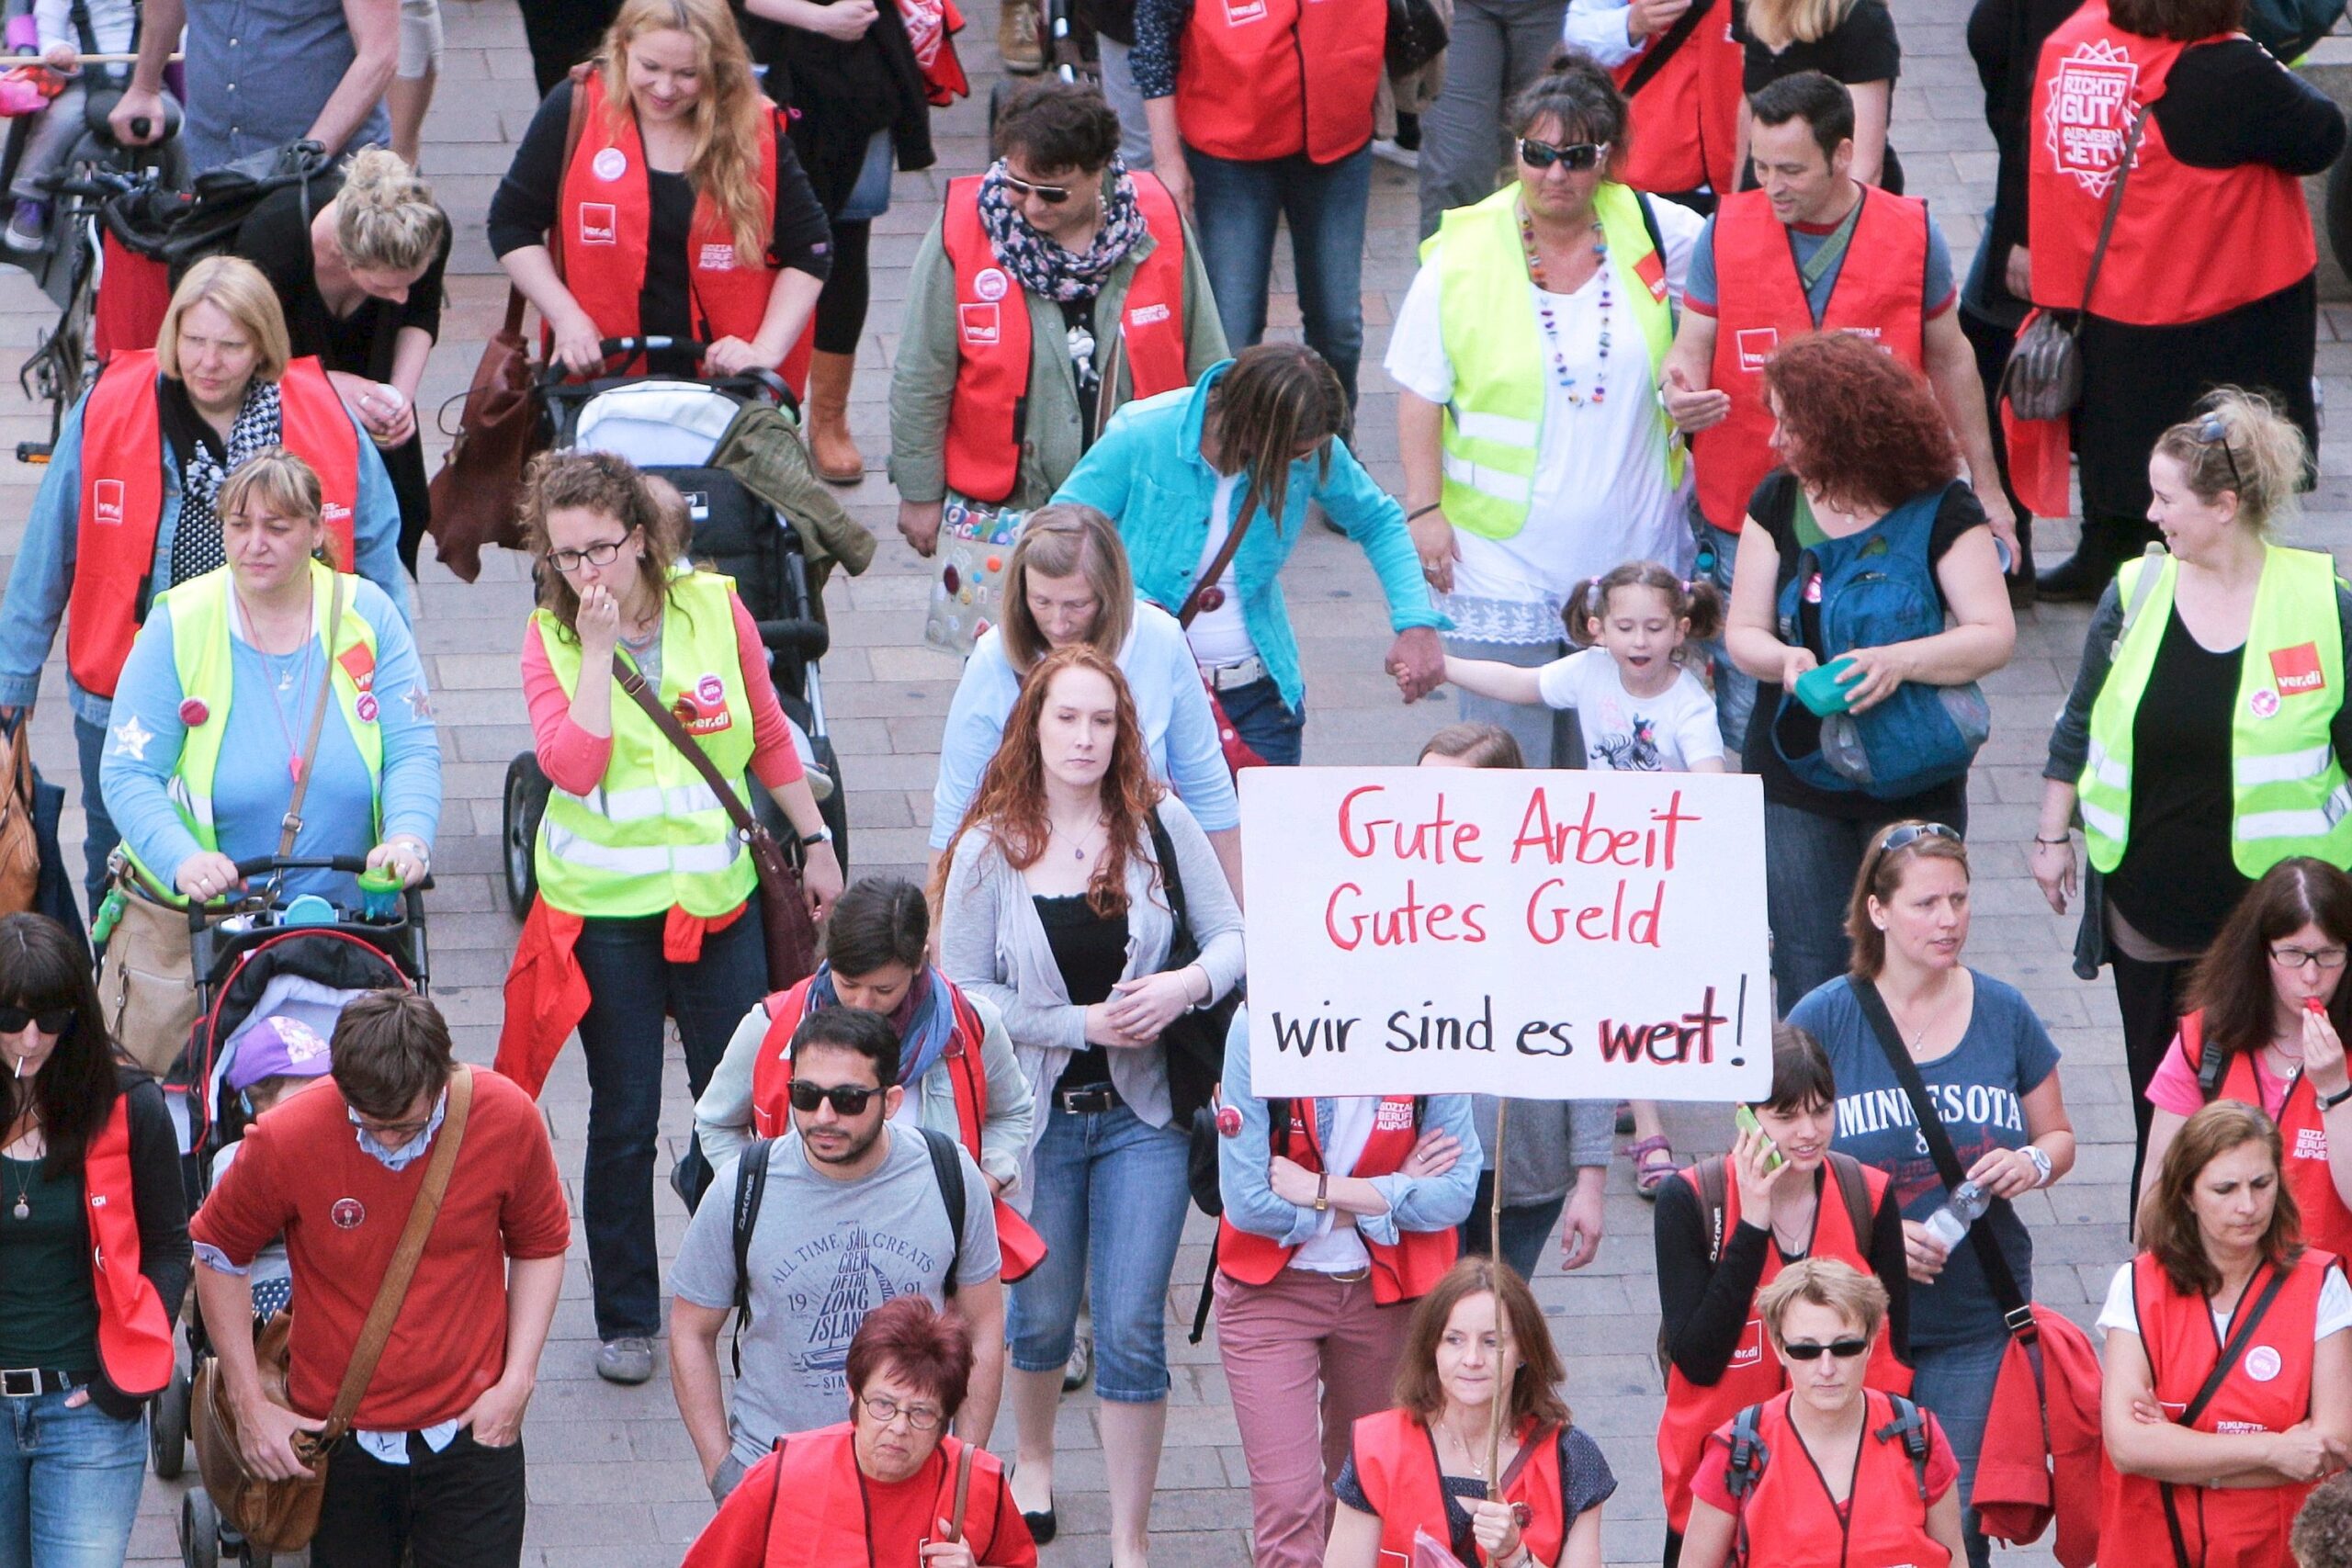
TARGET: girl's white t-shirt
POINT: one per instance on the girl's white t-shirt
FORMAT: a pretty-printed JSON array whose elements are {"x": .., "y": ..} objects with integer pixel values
[
  {"x": 1626, "y": 734},
  {"x": 2335, "y": 1315}
]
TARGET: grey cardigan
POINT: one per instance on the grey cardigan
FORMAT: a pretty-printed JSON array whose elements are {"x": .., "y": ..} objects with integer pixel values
[{"x": 993, "y": 945}]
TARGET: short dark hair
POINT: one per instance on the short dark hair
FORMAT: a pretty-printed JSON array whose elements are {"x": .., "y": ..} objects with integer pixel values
[
  {"x": 1801, "y": 1076},
  {"x": 1822, "y": 102},
  {"x": 389, "y": 1048},
  {"x": 2183, "y": 21},
  {"x": 2322, "y": 1533},
  {"x": 1578, "y": 93},
  {"x": 908, "y": 1336},
  {"x": 845, "y": 1029},
  {"x": 1054, "y": 124},
  {"x": 880, "y": 921}
]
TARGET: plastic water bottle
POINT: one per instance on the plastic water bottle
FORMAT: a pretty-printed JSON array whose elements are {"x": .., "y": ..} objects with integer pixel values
[{"x": 1950, "y": 1224}]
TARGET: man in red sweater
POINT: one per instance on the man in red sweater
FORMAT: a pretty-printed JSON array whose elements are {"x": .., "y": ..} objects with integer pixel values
[{"x": 434, "y": 1464}]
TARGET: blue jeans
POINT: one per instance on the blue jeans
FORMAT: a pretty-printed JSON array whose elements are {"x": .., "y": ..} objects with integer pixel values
[
  {"x": 1956, "y": 1383},
  {"x": 1735, "y": 689},
  {"x": 1275, "y": 730},
  {"x": 1235, "y": 203},
  {"x": 1111, "y": 1201},
  {"x": 1810, "y": 863},
  {"x": 630, "y": 988},
  {"x": 69, "y": 1484},
  {"x": 98, "y": 836},
  {"x": 1526, "y": 1227}
]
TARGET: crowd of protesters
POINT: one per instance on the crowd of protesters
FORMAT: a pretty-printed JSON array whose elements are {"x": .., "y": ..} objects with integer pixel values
[{"x": 944, "y": 1177}]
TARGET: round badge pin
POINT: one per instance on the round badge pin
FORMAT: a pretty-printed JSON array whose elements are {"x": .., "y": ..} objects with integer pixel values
[
  {"x": 366, "y": 707},
  {"x": 990, "y": 283},
  {"x": 710, "y": 691},
  {"x": 2262, "y": 1364},
  {"x": 2265, "y": 701},
  {"x": 347, "y": 1214},
  {"x": 193, "y": 712},
  {"x": 610, "y": 164}
]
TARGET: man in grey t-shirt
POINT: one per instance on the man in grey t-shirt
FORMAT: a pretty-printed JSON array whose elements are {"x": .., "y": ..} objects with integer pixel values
[{"x": 852, "y": 1216}]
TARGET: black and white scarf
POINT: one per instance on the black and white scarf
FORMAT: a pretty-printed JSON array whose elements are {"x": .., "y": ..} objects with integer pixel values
[
  {"x": 1042, "y": 267},
  {"x": 196, "y": 544}
]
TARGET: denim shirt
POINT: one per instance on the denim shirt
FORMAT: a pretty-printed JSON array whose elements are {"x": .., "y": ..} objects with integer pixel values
[
  {"x": 42, "y": 578},
  {"x": 269, "y": 67},
  {"x": 1147, "y": 473},
  {"x": 1415, "y": 1202}
]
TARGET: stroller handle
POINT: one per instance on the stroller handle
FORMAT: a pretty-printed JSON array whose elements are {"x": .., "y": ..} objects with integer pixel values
[
  {"x": 355, "y": 866},
  {"x": 755, "y": 381}
]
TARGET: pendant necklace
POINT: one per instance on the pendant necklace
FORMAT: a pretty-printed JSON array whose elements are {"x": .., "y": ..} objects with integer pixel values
[
  {"x": 1543, "y": 312},
  {"x": 23, "y": 1208}
]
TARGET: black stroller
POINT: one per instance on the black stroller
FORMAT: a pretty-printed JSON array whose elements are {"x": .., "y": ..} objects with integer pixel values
[
  {"x": 254, "y": 963},
  {"x": 671, "y": 427}
]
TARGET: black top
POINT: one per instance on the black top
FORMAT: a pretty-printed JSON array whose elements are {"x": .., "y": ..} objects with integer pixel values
[
  {"x": 2229, "y": 103},
  {"x": 525, "y": 209},
  {"x": 187, "y": 430},
  {"x": 1860, "y": 49},
  {"x": 2005, "y": 38},
  {"x": 276, "y": 238},
  {"x": 1091, "y": 950},
  {"x": 1773, "y": 506},
  {"x": 1704, "y": 1309},
  {"x": 840, "y": 94}
]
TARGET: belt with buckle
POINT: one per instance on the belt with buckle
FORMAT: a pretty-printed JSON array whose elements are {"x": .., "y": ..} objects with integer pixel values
[
  {"x": 1088, "y": 1101},
  {"x": 1229, "y": 677},
  {"x": 31, "y": 1382},
  {"x": 1352, "y": 1277}
]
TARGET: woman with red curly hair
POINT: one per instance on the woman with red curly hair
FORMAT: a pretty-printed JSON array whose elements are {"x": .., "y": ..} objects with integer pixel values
[
  {"x": 1056, "y": 910},
  {"x": 1866, "y": 553}
]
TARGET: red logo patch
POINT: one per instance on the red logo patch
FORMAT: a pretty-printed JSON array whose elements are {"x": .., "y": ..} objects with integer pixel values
[
  {"x": 600, "y": 223},
  {"x": 106, "y": 501},
  {"x": 703, "y": 711},
  {"x": 358, "y": 662},
  {"x": 1755, "y": 347},
  {"x": 979, "y": 324},
  {"x": 347, "y": 1214},
  {"x": 2297, "y": 670}
]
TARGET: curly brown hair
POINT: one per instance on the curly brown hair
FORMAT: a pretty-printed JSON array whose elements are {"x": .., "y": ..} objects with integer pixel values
[
  {"x": 1010, "y": 801},
  {"x": 1859, "y": 426},
  {"x": 611, "y": 486}
]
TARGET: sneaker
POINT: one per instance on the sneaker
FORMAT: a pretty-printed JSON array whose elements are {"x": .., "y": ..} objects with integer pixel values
[
  {"x": 628, "y": 1361},
  {"x": 1395, "y": 153},
  {"x": 29, "y": 228},
  {"x": 1019, "y": 40},
  {"x": 1080, "y": 1365}
]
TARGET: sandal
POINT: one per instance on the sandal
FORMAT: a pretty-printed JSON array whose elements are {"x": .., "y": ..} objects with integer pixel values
[{"x": 1649, "y": 1175}]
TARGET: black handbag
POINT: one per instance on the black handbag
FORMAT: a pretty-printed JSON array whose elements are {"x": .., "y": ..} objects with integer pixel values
[
  {"x": 1195, "y": 1043},
  {"x": 2044, "y": 377},
  {"x": 1416, "y": 35}
]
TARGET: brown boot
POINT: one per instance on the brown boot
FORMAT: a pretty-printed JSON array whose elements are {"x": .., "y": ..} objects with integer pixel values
[
  {"x": 1020, "y": 38},
  {"x": 831, "y": 451}
]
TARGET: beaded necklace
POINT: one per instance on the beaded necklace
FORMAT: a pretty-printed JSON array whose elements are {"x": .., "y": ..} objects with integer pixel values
[{"x": 1551, "y": 323}]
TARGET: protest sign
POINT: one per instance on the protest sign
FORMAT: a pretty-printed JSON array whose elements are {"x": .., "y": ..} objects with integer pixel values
[{"x": 1549, "y": 935}]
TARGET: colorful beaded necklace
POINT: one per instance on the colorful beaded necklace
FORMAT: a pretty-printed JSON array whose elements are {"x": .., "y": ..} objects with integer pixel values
[{"x": 1551, "y": 324}]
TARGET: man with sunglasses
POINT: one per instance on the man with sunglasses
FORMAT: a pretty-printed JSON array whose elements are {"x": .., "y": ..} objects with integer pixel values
[{"x": 852, "y": 1212}]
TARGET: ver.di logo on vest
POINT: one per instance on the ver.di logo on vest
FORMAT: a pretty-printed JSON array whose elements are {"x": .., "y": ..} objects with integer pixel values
[
  {"x": 2090, "y": 101},
  {"x": 2297, "y": 670},
  {"x": 703, "y": 711},
  {"x": 106, "y": 503},
  {"x": 599, "y": 223},
  {"x": 1757, "y": 346},
  {"x": 978, "y": 323}
]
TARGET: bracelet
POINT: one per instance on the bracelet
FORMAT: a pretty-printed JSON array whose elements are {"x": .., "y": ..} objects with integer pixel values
[
  {"x": 2067, "y": 842},
  {"x": 1420, "y": 511},
  {"x": 2330, "y": 1102}
]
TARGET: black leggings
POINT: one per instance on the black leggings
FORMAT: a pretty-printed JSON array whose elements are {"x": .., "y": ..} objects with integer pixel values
[
  {"x": 2149, "y": 998},
  {"x": 841, "y": 309}
]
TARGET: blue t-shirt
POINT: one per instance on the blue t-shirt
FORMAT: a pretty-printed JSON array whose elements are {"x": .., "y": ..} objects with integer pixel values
[
  {"x": 1935, "y": 291},
  {"x": 1978, "y": 1087}
]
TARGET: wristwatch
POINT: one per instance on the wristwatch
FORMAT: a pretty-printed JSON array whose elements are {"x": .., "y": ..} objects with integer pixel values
[
  {"x": 2040, "y": 1158},
  {"x": 821, "y": 836},
  {"x": 2330, "y": 1102},
  {"x": 1323, "y": 1192}
]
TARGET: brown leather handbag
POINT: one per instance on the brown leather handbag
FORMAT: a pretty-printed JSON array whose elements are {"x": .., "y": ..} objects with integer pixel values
[{"x": 282, "y": 1515}]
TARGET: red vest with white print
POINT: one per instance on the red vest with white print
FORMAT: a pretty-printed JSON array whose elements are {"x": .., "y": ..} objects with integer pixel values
[
  {"x": 1683, "y": 123},
  {"x": 1262, "y": 79},
  {"x": 1396, "y": 1459}
]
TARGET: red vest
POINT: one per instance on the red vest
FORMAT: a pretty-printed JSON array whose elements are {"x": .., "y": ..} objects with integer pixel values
[
  {"x": 1396, "y": 1460},
  {"x": 122, "y": 500},
  {"x": 2327, "y": 1224},
  {"x": 1685, "y": 118},
  {"x": 1404, "y": 1272},
  {"x": 820, "y": 1514},
  {"x": 987, "y": 416},
  {"x": 134, "y": 1325},
  {"x": 1695, "y": 1411},
  {"x": 1760, "y": 304},
  {"x": 1245, "y": 89},
  {"x": 2269, "y": 1391},
  {"x": 604, "y": 220},
  {"x": 1792, "y": 1523},
  {"x": 2189, "y": 243},
  {"x": 771, "y": 1073}
]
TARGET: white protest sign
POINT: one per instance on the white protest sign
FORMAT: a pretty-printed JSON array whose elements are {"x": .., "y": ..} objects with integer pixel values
[{"x": 1540, "y": 934}]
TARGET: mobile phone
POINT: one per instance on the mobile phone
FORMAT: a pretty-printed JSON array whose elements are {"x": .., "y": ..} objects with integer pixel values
[{"x": 1745, "y": 1120}]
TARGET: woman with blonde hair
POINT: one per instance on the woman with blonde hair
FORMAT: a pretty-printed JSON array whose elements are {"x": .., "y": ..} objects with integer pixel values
[
  {"x": 127, "y": 505},
  {"x": 682, "y": 211},
  {"x": 1851, "y": 41}
]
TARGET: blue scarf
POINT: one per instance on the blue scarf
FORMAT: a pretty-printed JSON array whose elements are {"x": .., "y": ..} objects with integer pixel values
[{"x": 925, "y": 1020}]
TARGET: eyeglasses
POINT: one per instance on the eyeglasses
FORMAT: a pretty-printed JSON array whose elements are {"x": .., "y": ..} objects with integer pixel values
[
  {"x": 884, "y": 1409},
  {"x": 1052, "y": 196},
  {"x": 387, "y": 1132},
  {"x": 598, "y": 554},
  {"x": 2285, "y": 957},
  {"x": 1806, "y": 1351},
  {"x": 1910, "y": 833},
  {"x": 50, "y": 1021},
  {"x": 849, "y": 1099},
  {"x": 1583, "y": 155},
  {"x": 2214, "y": 431}
]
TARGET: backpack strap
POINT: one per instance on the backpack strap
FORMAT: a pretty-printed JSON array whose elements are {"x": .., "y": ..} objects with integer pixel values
[
  {"x": 1855, "y": 1189},
  {"x": 751, "y": 1186},
  {"x": 2213, "y": 1061},
  {"x": 1712, "y": 1185},
  {"x": 948, "y": 1168},
  {"x": 1748, "y": 1454},
  {"x": 1912, "y": 1427}
]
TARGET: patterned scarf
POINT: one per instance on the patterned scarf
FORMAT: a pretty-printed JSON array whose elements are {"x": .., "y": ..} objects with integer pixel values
[
  {"x": 196, "y": 544},
  {"x": 925, "y": 1018},
  {"x": 1042, "y": 267}
]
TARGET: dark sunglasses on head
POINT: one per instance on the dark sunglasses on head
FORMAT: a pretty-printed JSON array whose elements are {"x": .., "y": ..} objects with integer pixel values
[
  {"x": 50, "y": 1020},
  {"x": 1052, "y": 196},
  {"x": 849, "y": 1099},
  {"x": 2212, "y": 430},
  {"x": 1844, "y": 1350},
  {"x": 1578, "y": 158}
]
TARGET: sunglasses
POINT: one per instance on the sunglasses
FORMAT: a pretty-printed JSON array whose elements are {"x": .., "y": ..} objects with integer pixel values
[
  {"x": 1806, "y": 1351},
  {"x": 1052, "y": 196},
  {"x": 1905, "y": 837},
  {"x": 849, "y": 1099},
  {"x": 1542, "y": 154},
  {"x": 50, "y": 1021},
  {"x": 2214, "y": 431}
]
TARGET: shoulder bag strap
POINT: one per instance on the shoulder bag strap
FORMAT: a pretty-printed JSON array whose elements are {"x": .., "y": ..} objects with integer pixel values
[
  {"x": 2114, "y": 203},
  {"x": 1668, "y": 45},
  {"x": 1527, "y": 1450},
  {"x": 676, "y": 733},
  {"x": 949, "y": 1174},
  {"x": 2016, "y": 1311},
  {"x": 292, "y": 824},
  {"x": 963, "y": 1490},
  {"x": 378, "y": 1329},
  {"x": 750, "y": 1186},
  {"x": 1171, "y": 877},
  {"x": 1246, "y": 502},
  {"x": 2152, "y": 561},
  {"x": 2228, "y": 1359},
  {"x": 1714, "y": 1180},
  {"x": 572, "y": 128}
]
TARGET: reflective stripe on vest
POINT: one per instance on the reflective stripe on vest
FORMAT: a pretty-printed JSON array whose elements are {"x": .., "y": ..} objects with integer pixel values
[
  {"x": 987, "y": 415},
  {"x": 651, "y": 835},
  {"x": 1683, "y": 125},
  {"x": 205, "y": 660},
  {"x": 1396, "y": 1459},
  {"x": 1761, "y": 303},
  {"x": 1404, "y": 1270},
  {"x": 1793, "y": 1522},
  {"x": 605, "y": 214},
  {"x": 2189, "y": 243},
  {"x": 134, "y": 1327},
  {"x": 821, "y": 1514},
  {"x": 2289, "y": 792},
  {"x": 121, "y": 504},
  {"x": 1260, "y": 79},
  {"x": 1493, "y": 429}
]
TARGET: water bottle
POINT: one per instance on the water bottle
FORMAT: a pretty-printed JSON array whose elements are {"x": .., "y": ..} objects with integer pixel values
[{"x": 1950, "y": 1224}]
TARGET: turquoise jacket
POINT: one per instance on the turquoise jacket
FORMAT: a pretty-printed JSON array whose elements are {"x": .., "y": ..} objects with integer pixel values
[{"x": 1147, "y": 473}]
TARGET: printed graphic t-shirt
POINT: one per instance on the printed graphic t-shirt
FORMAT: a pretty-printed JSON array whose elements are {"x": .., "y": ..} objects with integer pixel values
[
  {"x": 1627, "y": 734},
  {"x": 823, "y": 1254}
]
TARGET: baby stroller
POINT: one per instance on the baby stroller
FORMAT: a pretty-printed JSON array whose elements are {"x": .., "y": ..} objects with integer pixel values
[
  {"x": 303, "y": 962},
  {"x": 671, "y": 427}
]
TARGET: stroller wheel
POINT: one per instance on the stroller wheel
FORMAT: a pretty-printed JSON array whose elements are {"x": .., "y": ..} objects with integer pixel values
[
  {"x": 167, "y": 1428},
  {"x": 199, "y": 1530},
  {"x": 526, "y": 802}
]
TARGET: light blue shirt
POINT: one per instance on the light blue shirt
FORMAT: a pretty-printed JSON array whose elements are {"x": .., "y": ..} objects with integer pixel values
[
  {"x": 267, "y": 68},
  {"x": 1415, "y": 1202},
  {"x": 255, "y": 784},
  {"x": 1172, "y": 708},
  {"x": 1147, "y": 473},
  {"x": 42, "y": 578},
  {"x": 1597, "y": 28}
]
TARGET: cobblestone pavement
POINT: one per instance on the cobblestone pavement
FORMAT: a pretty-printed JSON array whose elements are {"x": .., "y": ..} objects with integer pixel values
[{"x": 612, "y": 1480}]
